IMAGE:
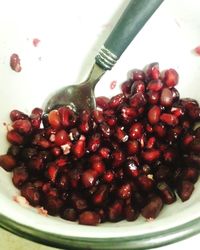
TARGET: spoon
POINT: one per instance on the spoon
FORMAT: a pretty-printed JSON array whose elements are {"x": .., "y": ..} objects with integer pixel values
[{"x": 81, "y": 96}]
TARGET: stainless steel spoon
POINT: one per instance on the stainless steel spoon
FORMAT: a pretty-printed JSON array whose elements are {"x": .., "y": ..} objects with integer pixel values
[{"x": 81, "y": 96}]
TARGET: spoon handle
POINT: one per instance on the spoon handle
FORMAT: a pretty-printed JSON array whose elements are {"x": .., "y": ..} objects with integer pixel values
[{"x": 130, "y": 23}]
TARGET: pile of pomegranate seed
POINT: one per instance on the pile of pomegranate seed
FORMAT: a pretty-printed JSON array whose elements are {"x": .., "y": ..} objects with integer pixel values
[{"x": 134, "y": 154}]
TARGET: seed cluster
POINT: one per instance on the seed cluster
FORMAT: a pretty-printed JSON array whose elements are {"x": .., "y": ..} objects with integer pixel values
[{"x": 132, "y": 155}]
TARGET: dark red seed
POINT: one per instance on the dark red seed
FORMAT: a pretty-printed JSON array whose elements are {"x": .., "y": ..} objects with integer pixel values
[
  {"x": 132, "y": 147},
  {"x": 98, "y": 166},
  {"x": 115, "y": 211},
  {"x": 80, "y": 204},
  {"x": 15, "y": 138},
  {"x": 136, "y": 130},
  {"x": 137, "y": 74},
  {"x": 185, "y": 189},
  {"x": 171, "y": 78},
  {"x": 89, "y": 218},
  {"x": 56, "y": 151},
  {"x": 166, "y": 193},
  {"x": 153, "y": 208},
  {"x": 20, "y": 176},
  {"x": 190, "y": 174},
  {"x": 66, "y": 116},
  {"x": 105, "y": 129},
  {"x": 118, "y": 158},
  {"x": 132, "y": 167},
  {"x": 137, "y": 86},
  {"x": 53, "y": 205},
  {"x": 108, "y": 176},
  {"x": 78, "y": 148},
  {"x": 16, "y": 115},
  {"x": 154, "y": 85},
  {"x": 126, "y": 87},
  {"x": 22, "y": 126},
  {"x": 154, "y": 114},
  {"x": 102, "y": 102},
  {"x": 54, "y": 119},
  {"x": 89, "y": 178},
  {"x": 130, "y": 213},
  {"x": 152, "y": 71},
  {"x": 177, "y": 111},
  {"x": 31, "y": 194},
  {"x": 194, "y": 113},
  {"x": 36, "y": 164},
  {"x": 151, "y": 155},
  {"x": 36, "y": 117},
  {"x": 97, "y": 116},
  {"x": 94, "y": 142},
  {"x": 104, "y": 152},
  {"x": 150, "y": 142},
  {"x": 194, "y": 145},
  {"x": 166, "y": 98},
  {"x": 145, "y": 183},
  {"x": 125, "y": 191},
  {"x": 52, "y": 171},
  {"x": 159, "y": 130},
  {"x": 7, "y": 162},
  {"x": 61, "y": 137},
  {"x": 115, "y": 101},
  {"x": 63, "y": 181},
  {"x": 153, "y": 97},
  {"x": 100, "y": 195},
  {"x": 169, "y": 119},
  {"x": 120, "y": 134},
  {"x": 137, "y": 100},
  {"x": 70, "y": 214}
]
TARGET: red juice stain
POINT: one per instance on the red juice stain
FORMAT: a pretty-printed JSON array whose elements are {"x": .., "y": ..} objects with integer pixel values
[
  {"x": 36, "y": 41},
  {"x": 113, "y": 84},
  {"x": 197, "y": 50}
]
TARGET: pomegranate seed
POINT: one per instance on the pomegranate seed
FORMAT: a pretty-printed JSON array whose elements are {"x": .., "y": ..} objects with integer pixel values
[
  {"x": 118, "y": 158},
  {"x": 137, "y": 100},
  {"x": 53, "y": 205},
  {"x": 94, "y": 142},
  {"x": 79, "y": 203},
  {"x": 169, "y": 119},
  {"x": 36, "y": 117},
  {"x": 70, "y": 214},
  {"x": 54, "y": 119},
  {"x": 108, "y": 176},
  {"x": 20, "y": 176},
  {"x": 98, "y": 116},
  {"x": 190, "y": 174},
  {"x": 132, "y": 147},
  {"x": 89, "y": 218},
  {"x": 104, "y": 152},
  {"x": 135, "y": 131},
  {"x": 22, "y": 126},
  {"x": 153, "y": 208},
  {"x": 88, "y": 178},
  {"x": 105, "y": 129},
  {"x": 194, "y": 113},
  {"x": 151, "y": 155},
  {"x": 67, "y": 117},
  {"x": 100, "y": 195},
  {"x": 154, "y": 114},
  {"x": 166, "y": 193},
  {"x": 15, "y": 63},
  {"x": 185, "y": 189},
  {"x": 160, "y": 130},
  {"x": 171, "y": 78},
  {"x": 153, "y": 71},
  {"x": 115, "y": 211},
  {"x": 102, "y": 102},
  {"x": 61, "y": 137},
  {"x": 124, "y": 191},
  {"x": 31, "y": 194},
  {"x": 137, "y": 86},
  {"x": 36, "y": 164},
  {"x": 145, "y": 183},
  {"x": 126, "y": 87},
  {"x": 131, "y": 168},
  {"x": 52, "y": 172},
  {"x": 154, "y": 85},
  {"x": 153, "y": 97},
  {"x": 121, "y": 134},
  {"x": 166, "y": 98},
  {"x": 130, "y": 213},
  {"x": 151, "y": 142},
  {"x": 16, "y": 115},
  {"x": 98, "y": 166},
  {"x": 15, "y": 138},
  {"x": 115, "y": 101},
  {"x": 177, "y": 111},
  {"x": 137, "y": 74},
  {"x": 79, "y": 147},
  {"x": 7, "y": 162}
]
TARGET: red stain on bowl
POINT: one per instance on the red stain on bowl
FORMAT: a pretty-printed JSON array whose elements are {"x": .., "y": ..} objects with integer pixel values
[
  {"x": 113, "y": 84},
  {"x": 36, "y": 41},
  {"x": 15, "y": 62},
  {"x": 197, "y": 50}
]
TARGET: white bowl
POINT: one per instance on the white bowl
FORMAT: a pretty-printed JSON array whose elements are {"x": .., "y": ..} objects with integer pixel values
[{"x": 70, "y": 34}]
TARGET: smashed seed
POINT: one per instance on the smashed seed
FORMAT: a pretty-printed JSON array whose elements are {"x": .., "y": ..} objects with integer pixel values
[
  {"x": 66, "y": 149},
  {"x": 52, "y": 138},
  {"x": 150, "y": 176},
  {"x": 42, "y": 211}
]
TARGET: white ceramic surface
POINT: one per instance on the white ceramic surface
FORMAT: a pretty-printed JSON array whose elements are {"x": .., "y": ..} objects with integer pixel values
[{"x": 70, "y": 34}]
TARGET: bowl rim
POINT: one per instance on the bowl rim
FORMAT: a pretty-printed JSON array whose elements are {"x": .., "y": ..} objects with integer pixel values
[{"x": 146, "y": 241}]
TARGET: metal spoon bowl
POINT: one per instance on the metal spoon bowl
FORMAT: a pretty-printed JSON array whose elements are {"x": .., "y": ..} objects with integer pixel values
[{"x": 81, "y": 96}]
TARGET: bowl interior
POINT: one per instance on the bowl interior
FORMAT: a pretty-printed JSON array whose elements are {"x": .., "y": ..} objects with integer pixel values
[{"x": 69, "y": 39}]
